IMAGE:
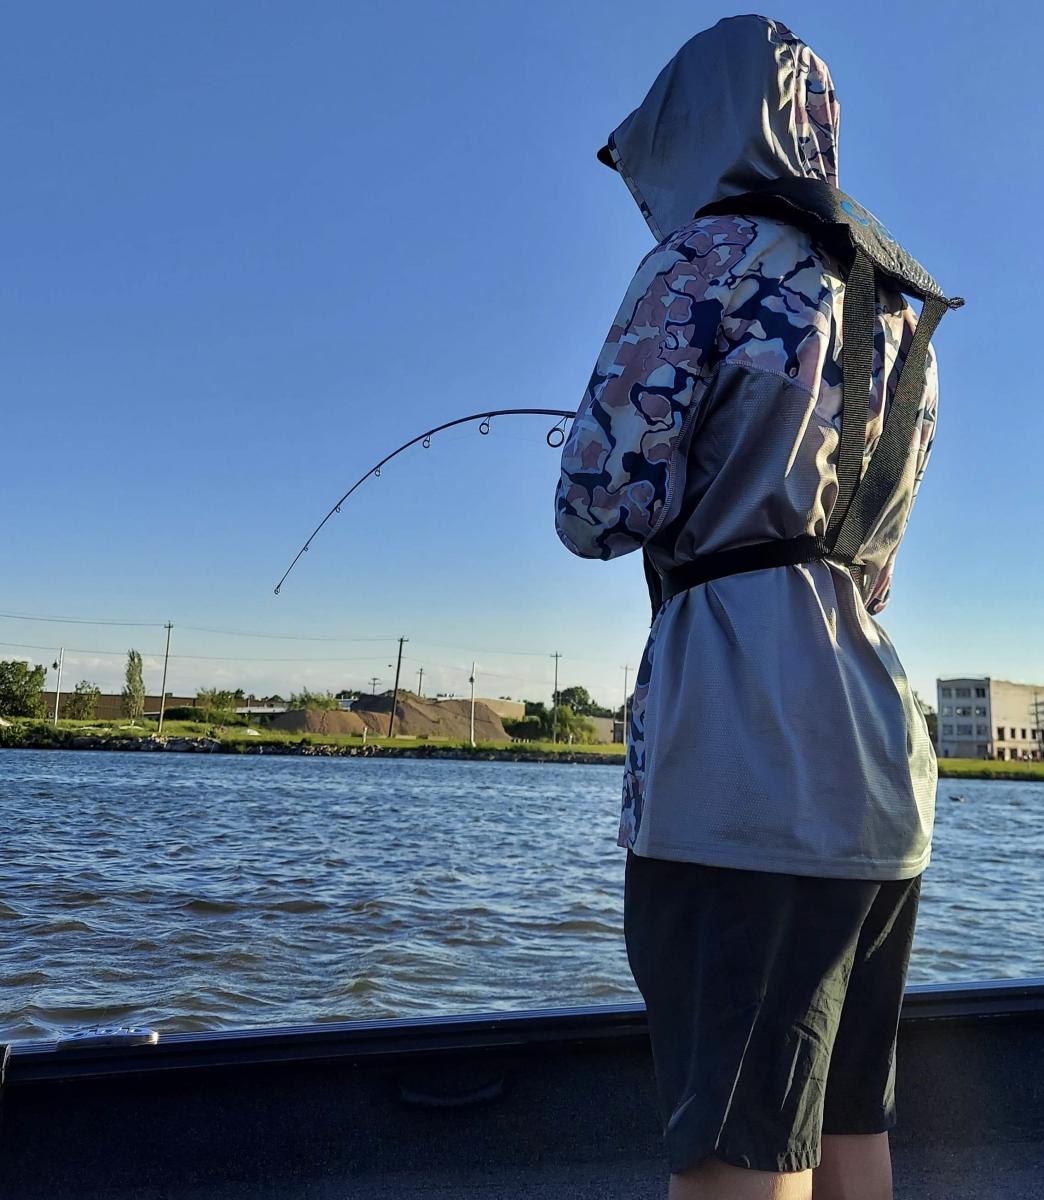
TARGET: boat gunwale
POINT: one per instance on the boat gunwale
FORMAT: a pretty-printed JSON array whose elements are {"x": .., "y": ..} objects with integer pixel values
[{"x": 391, "y": 1039}]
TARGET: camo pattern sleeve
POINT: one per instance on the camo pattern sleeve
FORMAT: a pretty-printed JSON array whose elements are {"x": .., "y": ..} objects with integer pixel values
[{"x": 653, "y": 370}]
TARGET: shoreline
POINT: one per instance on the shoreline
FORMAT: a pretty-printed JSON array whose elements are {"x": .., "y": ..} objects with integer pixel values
[
  {"x": 306, "y": 749},
  {"x": 65, "y": 740}
]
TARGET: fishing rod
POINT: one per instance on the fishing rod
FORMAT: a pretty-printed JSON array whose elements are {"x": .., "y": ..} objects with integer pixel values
[{"x": 555, "y": 437}]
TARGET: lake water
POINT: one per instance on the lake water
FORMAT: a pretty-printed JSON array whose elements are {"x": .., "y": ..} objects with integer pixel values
[{"x": 206, "y": 892}]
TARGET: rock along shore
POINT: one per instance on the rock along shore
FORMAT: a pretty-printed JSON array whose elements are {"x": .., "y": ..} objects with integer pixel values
[{"x": 204, "y": 745}]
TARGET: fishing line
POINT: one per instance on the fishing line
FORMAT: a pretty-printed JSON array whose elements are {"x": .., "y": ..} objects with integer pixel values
[{"x": 554, "y": 437}]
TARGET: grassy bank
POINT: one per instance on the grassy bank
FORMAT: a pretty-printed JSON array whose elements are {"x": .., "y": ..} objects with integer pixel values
[
  {"x": 28, "y": 734},
  {"x": 978, "y": 768},
  {"x": 234, "y": 739}
]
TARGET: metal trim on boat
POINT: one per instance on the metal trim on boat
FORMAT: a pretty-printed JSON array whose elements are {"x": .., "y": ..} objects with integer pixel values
[{"x": 407, "y": 1037}]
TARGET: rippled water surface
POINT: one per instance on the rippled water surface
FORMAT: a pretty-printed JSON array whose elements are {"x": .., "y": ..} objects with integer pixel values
[{"x": 198, "y": 892}]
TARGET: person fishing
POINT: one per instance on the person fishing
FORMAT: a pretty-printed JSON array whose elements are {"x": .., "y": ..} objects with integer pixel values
[{"x": 758, "y": 424}]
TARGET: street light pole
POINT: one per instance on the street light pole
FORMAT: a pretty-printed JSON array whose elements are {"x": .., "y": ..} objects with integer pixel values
[
  {"x": 163, "y": 685},
  {"x": 420, "y": 682},
  {"x": 471, "y": 680},
  {"x": 395, "y": 693},
  {"x": 59, "y": 663}
]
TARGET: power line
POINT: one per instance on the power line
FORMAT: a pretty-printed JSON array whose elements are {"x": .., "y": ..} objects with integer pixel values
[
  {"x": 284, "y": 637},
  {"x": 77, "y": 621},
  {"x": 236, "y": 658},
  {"x": 290, "y": 637}
]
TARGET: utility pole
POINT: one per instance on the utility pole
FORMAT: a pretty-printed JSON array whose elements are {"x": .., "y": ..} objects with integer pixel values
[
  {"x": 395, "y": 693},
  {"x": 471, "y": 680},
  {"x": 554, "y": 705},
  {"x": 163, "y": 685},
  {"x": 626, "y": 671},
  {"x": 374, "y": 680},
  {"x": 420, "y": 682},
  {"x": 59, "y": 662}
]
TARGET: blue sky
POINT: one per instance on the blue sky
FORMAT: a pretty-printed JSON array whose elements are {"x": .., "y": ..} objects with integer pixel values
[{"x": 249, "y": 248}]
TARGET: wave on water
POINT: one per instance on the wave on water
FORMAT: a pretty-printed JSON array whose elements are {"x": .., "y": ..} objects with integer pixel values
[
  {"x": 204, "y": 907},
  {"x": 274, "y": 902}
]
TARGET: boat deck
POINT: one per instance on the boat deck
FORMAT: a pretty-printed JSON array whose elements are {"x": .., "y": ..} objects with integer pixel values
[
  {"x": 549, "y": 1104},
  {"x": 1010, "y": 1172}
]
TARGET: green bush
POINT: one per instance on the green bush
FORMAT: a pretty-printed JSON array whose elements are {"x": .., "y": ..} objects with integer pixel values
[
  {"x": 306, "y": 699},
  {"x": 529, "y": 729},
  {"x": 21, "y": 689},
  {"x": 206, "y": 716}
]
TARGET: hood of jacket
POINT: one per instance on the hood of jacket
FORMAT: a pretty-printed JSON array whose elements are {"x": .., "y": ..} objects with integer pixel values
[{"x": 739, "y": 104}]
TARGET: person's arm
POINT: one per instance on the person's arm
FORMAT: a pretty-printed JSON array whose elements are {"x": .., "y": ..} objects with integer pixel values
[
  {"x": 881, "y": 589},
  {"x": 617, "y": 462}
]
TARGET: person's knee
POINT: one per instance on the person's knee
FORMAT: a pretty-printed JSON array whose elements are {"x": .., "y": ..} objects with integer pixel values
[
  {"x": 713, "y": 1179},
  {"x": 854, "y": 1167}
]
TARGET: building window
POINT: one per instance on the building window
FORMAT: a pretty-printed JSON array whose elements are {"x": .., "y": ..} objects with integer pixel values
[
  {"x": 981, "y": 730},
  {"x": 948, "y": 730},
  {"x": 1013, "y": 735},
  {"x": 1000, "y": 753},
  {"x": 963, "y": 711},
  {"x": 980, "y": 710},
  {"x": 947, "y": 692},
  {"x": 964, "y": 730},
  {"x": 961, "y": 692},
  {"x": 1024, "y": 735},
  {"x": 980, "y": 692},
  {"x": 1000, "y": 733},
  {"x": 947, "y": 710}
]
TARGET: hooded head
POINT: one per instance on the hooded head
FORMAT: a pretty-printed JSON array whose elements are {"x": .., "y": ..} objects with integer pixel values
[{"x": 738, "y": 105}]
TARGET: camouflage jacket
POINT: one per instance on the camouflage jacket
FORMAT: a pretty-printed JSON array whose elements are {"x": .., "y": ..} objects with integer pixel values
[{"x": 772, "y": 726}]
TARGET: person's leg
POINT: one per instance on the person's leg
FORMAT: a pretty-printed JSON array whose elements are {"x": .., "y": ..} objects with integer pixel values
[
  {"x": 853, "y": 1167},
  {"x": 716, "y": 1180},
  {"x": 743, "y": 976},
  {"x": 859, "y": 1109}
]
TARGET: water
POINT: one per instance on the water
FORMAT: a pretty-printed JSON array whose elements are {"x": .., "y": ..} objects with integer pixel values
[{"x": 199, "y": 892}]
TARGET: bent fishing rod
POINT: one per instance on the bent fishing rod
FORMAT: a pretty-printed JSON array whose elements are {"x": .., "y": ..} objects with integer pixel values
[{"x": 555, "y": 437}]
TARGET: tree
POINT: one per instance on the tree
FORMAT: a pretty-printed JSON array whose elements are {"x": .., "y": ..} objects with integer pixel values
[
  {"x": 580, "y": 701},
  {"x": 21, "y": 689},
  {"x": 577, "y": 698},
  {"x": 571, "y": 724},
  {"x": 307, "y": 699},
  {"x": 133, "y": 688},
  {"x": 540, "y": 718},
  {"x": 81, "y": 703},
  {"x": 215, "y": 700}
]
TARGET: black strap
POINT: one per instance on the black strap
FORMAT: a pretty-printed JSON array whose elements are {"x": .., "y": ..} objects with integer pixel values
[
  {"x": 857, "y": 361},
  {"x": 860, "y": 502},
  {"x": 857, "y": 355},
  {"x": 781, "y": 552},
  {"x": 653, "y": 583}
]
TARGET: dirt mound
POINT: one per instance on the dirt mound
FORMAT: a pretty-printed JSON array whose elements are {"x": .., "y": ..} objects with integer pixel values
[
  {"x": 414, "y": 717},
  {"x": 333, "y": 722}
]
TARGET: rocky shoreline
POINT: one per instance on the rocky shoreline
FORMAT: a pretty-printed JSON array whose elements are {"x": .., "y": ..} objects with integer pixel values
[
  {"x": 204, "y": 745},
  {"x": 515, "y": 753}
]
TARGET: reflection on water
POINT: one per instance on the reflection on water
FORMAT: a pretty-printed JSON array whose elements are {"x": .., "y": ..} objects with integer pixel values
[{"x": 214, "y": 892}]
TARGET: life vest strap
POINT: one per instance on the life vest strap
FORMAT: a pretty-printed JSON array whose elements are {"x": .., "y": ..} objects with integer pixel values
[{"x": 872, "y": 257}]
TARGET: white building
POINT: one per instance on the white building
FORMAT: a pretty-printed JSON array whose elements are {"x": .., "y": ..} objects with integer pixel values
[{"x": 990, "y": 718}]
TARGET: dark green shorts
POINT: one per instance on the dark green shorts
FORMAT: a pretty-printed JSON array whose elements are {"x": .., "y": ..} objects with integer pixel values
[{"x": 773, "y": 1005}]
